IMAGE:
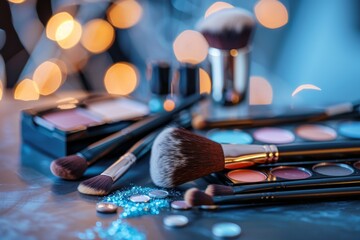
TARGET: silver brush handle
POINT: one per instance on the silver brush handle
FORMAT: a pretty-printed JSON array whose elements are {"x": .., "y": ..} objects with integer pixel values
[
  {"x": 229, "y": 74},
  {"x": 118, "y": 168}
]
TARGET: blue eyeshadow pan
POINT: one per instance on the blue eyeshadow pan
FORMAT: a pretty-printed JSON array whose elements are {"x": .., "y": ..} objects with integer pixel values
[
  {"x": 230, "y": 136},
  {"x": 350, "y": 129}
]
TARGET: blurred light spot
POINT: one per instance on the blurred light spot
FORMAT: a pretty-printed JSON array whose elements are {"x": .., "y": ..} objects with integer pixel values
[
  {"x": 217, "y": 7},
  {"x": 303, "y": 87},
  {"x": 1, "y": 89},
  {"x": 271, "y": 13},
  {"x": 169, "y": 105},
  {"x": 233, "y": 52},
  {"x": 125, "y": 13},
  {"x": 205, "y": 81},
  {"x": 48, "y": 77},
  {"x": 68, "y": 34},
  {"x": 55, "y": 22},
  {"x": 68, "y": 100},
  {"x": 17, "y": 1},
  {"x": 98, "y": 35},
  {"x": 261, "y": 92},
  {"x": 66, "y": 106},
  {"x": 26, "y": 90},
  {"x": 190, "y": 47},
  {"x": 121, "y": 79}
]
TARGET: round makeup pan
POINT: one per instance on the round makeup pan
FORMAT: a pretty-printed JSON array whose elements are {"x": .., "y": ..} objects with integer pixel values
[
  {"x": 290, "y": 173},
  {"x": 357, "y": 165},
  {"x": 246, "y": 175},
  {"x": 229, "y": 136},
  {"x": 316, "y": 132},
  {"x": 333, "y": 169},
  {"x": 350, "y": 129},
  {"x": 274, "y": 135}
]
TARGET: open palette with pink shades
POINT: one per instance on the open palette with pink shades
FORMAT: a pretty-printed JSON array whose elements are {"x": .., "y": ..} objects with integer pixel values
[
  {"x": 71, "y": 125},
  {"x": 327, "y": 131}
]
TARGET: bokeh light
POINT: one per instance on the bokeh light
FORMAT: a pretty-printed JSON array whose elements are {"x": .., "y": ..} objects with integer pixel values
[
  {"x": 205, "y": 81},
  {"x": 68, "y": 34},
  {"x": 271, "y": 13},
  {"x": 98, "y": 35},
  {"x": 217, "y": 7},
  {"x": 26, "y": 90},
  {"x": 48, "y": 77},
  {"x": 54, "y": 23},
  {"x": 17, "y": 1},
  {"x": 305, "y": 87},
  {"x": 190, "y": 47},
  {"x": 121, "y": 78},
  {"x": 125, "y": 13},
  {"x": 169, "y": 105},
  {"x": 261, "y": 92}
]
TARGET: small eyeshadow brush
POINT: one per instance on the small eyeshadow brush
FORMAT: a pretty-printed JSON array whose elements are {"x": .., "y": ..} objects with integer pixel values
[
  {"x": 72, "y": 167},
  {"x": 196, "y": 156},
  {"x": 221, "y": 190},
  {"x": 195, "y": 197}
]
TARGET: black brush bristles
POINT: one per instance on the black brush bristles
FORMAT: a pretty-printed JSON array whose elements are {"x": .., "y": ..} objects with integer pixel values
[
  {"x": 99, "y": 185},
  {"x": 70, "y": 167},
  {"x": 195, "y": 197},
  {"x": 228, "y": 29},
  {"x": 179, "y": 156},
  {"x": 219, "y": 190}
]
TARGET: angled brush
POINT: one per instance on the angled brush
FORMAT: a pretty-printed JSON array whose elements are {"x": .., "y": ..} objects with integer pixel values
[{"x": 72, "y": 167}]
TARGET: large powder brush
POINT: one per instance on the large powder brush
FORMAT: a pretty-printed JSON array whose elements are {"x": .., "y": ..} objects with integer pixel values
[
  {"x": 179, "y": 156},
  {"x": 228, "y": 33}
]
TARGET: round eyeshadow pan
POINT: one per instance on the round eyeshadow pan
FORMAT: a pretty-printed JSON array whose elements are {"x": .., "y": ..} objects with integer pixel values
[
  {"x": 291, "y": 173},
  {"x": 246, "y": 175},
  {"x": 350, "y": 129},
  {"x": 175, "y": 221},
  {"x": 230, "y": 136},
  {"x": 357, "y": 165},
  {"x": 180, "y": 205},
  {"x": 226, "y": 230},
  {"x": 316, "y": 132},
  {"x": 333, "y": 169},
  {"x": 106, "y": 207},
  {"x": 140, "y": 198},
  {"x": 273, "y": 135}
]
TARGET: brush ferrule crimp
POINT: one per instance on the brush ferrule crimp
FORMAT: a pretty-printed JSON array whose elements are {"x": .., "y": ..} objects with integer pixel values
[
  {"x": 117, "y": 169},
  {"x": 255, "y": 154}
]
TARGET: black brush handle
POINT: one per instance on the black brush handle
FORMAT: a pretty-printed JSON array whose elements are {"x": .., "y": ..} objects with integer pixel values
[
  {"x": 294, "y": 195},
  {"x": 134, "y": 131},
  {"x": 319, "y": 150},
  {"x": 308, "y": 183}
]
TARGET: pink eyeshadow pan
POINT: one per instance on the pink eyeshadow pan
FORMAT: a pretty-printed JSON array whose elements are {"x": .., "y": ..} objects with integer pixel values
[
  {"x": 246, "y": 175},
  {"x": 291, "y": 173},
  {"x": 274, "y": 135},
  {"x": 316, "y": 132},
  {"x": 357, "y": 165},
  {"x": 71, "y": 119}
]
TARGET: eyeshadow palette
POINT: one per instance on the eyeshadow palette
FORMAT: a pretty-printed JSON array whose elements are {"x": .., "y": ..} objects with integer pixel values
[
  {"x": 296, "y": 171},
  {"x": 72, "y": 125}
]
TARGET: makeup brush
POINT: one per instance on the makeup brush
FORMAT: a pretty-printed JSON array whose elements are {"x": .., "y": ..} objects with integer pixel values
[
  {"x": 330, "y": 112},
  {"x": 72, "y": 167},
  {"x": 179, "y": 156},
  {"x": 221, "y": 190},
  {"x": 102, "y": 184},
  {"x": 228, "y": 33},
  {"x": 195, "y": 197}
]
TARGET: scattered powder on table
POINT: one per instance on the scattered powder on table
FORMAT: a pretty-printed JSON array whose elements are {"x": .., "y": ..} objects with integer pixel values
[{"x": 119, "y": 229}]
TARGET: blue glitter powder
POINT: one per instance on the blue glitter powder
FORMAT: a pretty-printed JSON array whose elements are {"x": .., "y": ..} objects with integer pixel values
[
  {"x": 118, "y": 230},
  {"x": 121, "y": 230},
  {"x": 131, "y": 209}
]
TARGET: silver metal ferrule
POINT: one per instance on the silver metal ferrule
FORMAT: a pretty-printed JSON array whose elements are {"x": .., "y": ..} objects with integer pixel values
[
  {"x": 229, "y": 74},
  {"x": 118, "y": 168},
  {"x": 257, "y": 154}
]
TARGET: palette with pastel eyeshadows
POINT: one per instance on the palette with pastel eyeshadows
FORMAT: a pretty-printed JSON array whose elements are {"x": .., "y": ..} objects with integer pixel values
[
  {"x": 291, "y": 172},
  {"x": 72, "y": 125}
]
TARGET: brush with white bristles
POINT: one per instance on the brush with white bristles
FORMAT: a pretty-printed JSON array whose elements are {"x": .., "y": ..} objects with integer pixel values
[
  {"x": 179, "y": 156},
  {"x": 228, "y": 33}
]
